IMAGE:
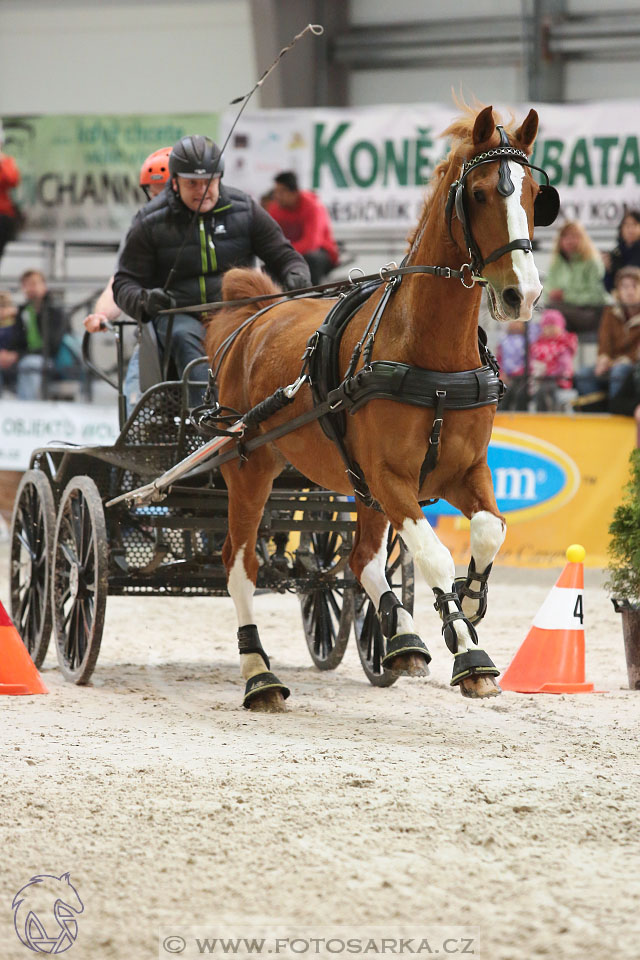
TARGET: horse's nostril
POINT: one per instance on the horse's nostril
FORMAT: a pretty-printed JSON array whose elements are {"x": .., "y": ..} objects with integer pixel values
[{"x": 512, "y": 297}]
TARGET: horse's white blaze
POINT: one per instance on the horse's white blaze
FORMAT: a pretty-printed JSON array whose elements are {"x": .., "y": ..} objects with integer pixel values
[
  {"x": 523, "y": 263},
  {"x": 436, "y": 565},
  {"x": 487, "y": 533},
  {"x": 374, "y": 581}
]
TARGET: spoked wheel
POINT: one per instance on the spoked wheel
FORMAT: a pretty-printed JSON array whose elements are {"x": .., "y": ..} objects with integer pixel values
[
  {"x": 369, "y": 637},
  {"x": 80, "y": 578},
  {"x": 32, "y": 531},
  {"x": 326, "y": 612}
]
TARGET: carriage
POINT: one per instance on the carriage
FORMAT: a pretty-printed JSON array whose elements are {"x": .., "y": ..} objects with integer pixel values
[
  {"x": 69, "y": 552},
  {"x": 410, "y": 420}
]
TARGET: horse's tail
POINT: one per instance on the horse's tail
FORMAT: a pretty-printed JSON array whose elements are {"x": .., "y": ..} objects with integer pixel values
[{"x": 241, "y": 282}]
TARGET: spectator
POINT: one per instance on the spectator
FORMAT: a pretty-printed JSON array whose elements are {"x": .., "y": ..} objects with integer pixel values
[
  {"x": 9, "y": 328},
  {"x": 43, "y": 325},
  {"x": 305, "y": 222},
  {"x": 574, "y": 283},
  {"x": 187, "y": 237},
  {"x": 154, "y": 173},
  {"x": 618, "y": 340},
  {"x": 627, "y": 251},
  {"x": 552, "y": 356},
  {"x": 511, "y": 353},
  {"x": 9, "y": 213}
]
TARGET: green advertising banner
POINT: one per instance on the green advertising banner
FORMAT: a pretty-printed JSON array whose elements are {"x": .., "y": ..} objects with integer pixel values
[{"x": 80, "y": 173}]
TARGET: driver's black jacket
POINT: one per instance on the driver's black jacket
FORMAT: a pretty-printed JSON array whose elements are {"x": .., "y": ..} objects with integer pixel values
[{"x": 233, "y": 234}]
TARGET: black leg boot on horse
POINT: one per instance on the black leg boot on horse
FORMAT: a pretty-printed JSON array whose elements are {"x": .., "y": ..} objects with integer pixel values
[
  {"x": 248, "y": 490},
  {"x": 406, "y": 654}
]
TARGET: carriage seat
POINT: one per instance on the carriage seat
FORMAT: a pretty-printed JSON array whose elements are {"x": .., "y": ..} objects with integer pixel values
[
  {"x": 151, "y": 364},
  {"x": 150, "y": 357}
]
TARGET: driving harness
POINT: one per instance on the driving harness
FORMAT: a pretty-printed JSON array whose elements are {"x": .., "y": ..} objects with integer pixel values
[{"x": 334, "y": 395}]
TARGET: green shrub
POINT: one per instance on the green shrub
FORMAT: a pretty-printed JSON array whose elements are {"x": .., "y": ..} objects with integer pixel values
[{"x": 623, "y": 580}]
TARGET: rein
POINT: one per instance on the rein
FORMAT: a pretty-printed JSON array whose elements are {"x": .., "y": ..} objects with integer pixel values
[{"x": 465, "y": 275}]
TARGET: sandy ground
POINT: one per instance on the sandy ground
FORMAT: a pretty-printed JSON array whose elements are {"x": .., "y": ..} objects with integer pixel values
[{"x": 170, "y": 805}]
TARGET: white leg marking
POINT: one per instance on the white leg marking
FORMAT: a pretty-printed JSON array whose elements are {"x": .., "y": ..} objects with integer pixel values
[
  {"x": 375, "y": 583},
  {"x": 241, "y": 592},
  {"x": 436, "y": 565},
  {"x": 523, "y": 263},
  {"x": 487, "y": 536}
]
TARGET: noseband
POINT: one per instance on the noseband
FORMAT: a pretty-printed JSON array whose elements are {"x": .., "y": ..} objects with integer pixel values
[{"x": 545, "y": 209}]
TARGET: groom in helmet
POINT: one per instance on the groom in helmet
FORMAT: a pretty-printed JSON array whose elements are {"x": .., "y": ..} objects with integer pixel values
[{"x": 230, "y": 230}]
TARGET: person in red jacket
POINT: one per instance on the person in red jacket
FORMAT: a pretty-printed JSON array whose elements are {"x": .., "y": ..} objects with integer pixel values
[
  {"x": 305, "y": 222},
  {"x": 9, "y": 178}
]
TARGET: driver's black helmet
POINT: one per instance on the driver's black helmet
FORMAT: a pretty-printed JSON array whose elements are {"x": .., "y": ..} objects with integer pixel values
[{"x": 195, "y": 157}]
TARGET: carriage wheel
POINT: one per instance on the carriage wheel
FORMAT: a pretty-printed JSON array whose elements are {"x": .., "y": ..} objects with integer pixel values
[
  {"x": 369, "y": 637},
  {"x": 32, "y": 531},
  {"x": 80, "y": 578},
  {"x": 326, "y": 615}
]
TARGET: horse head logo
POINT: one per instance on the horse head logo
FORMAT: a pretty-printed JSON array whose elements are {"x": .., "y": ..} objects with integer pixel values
[{"x": 44, "y": 913}]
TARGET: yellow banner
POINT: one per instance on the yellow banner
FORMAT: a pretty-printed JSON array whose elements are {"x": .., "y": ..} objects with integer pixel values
[{"x": 558, "y": 480}]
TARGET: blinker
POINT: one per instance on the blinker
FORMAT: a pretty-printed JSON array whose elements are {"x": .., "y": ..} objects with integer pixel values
[{"x": 546, "y": 206}]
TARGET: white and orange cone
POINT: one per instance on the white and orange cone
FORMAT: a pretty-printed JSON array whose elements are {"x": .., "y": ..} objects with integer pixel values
[
  {"x": 551, "y": 657},
  {"x": 18, "y": 675}
]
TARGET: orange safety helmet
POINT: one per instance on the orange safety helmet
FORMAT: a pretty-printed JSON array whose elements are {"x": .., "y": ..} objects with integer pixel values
[{"x": 155, "y": 169}]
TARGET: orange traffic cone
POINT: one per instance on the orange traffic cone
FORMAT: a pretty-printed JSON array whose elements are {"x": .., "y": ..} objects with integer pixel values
[
  {"x": 18, "y": 674},
  {"x": 551, "y": 658}
]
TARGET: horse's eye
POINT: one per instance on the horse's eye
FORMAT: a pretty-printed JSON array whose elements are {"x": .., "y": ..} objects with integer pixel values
[{"x": 479, "y": 196}]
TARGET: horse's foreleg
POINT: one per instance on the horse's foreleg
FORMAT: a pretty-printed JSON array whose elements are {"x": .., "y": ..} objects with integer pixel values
[
  {"x": 405, "y": 652},
  {"x": 475, "y": 498},
  {"x": 473, "y": 670},
  {"x": 487, "y": 533},
  {"x": 248, "y": 492}
]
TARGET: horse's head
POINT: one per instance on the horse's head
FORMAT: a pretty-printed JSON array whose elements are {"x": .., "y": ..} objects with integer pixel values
[{"x": 492, "y": 208}]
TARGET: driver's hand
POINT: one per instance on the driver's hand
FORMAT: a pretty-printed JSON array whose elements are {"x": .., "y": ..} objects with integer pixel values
[
  {"x": 96, "y": 322},
  {"x": 153, "y": 301}
]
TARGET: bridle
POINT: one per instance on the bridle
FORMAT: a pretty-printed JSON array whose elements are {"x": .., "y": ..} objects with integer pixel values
[{"x": 545, "y": 208}]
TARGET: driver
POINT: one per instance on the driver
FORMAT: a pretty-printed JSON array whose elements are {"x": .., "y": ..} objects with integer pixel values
[{"x": 231, "y": 230}]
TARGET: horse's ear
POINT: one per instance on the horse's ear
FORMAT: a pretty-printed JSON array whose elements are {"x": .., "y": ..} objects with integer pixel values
[
  {"x": 484, "y": 126},
  {"x": 526, "y": 134}
]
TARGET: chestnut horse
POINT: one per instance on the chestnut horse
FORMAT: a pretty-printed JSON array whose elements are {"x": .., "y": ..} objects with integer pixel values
[{"x": 430, "y": 322}]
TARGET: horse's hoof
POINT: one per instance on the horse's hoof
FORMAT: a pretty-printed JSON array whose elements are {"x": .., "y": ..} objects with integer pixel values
[
  {"x": 409, "y": 665},
  {"x": 406, "y": 656},
  {"x": 271, "y": 701},
  {"x": 265, "y": 693},
  {"x": 479, "y": 688}
]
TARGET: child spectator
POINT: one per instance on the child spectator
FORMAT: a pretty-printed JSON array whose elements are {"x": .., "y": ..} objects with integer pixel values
[
  {"x": 9, "y": 333},
  {"x": 511, "y": 353},
  {"x": 43, "y": 325},
  {"x": 552, "y": 357},
  {"x": 574, "y": 283},
  {"x": 627, "y": 251},
  {"x": 618, "y": 339}
]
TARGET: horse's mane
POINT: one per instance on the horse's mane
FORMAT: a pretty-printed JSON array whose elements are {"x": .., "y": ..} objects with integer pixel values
[{"x": 460, "y": 131}]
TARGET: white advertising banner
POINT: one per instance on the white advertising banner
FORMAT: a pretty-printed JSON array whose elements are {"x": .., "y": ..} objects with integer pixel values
[
  {"x": 370, "y": 164},
  {"x": 26, "y": 426}
]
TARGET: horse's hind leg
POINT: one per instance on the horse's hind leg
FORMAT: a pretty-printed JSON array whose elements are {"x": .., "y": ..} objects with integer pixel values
[
  {"x": 405, "y": 652},
  {"x": 248, "y": 490}
]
